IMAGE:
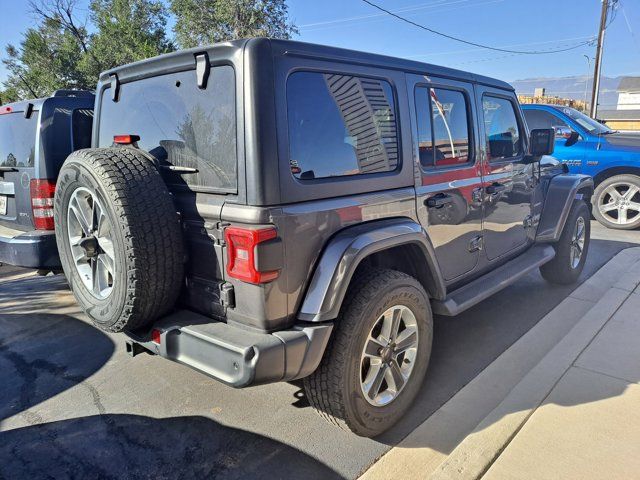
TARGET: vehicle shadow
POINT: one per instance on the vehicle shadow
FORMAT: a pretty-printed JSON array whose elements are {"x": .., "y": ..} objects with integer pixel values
[
  {"x": 132, "y": 446},
  {"x": 465, "y": 345},
  {"x": 45, "y": 354}
]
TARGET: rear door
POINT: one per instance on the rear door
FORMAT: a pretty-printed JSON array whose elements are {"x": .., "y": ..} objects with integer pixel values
[
  {"x": 191, "y": 131},
  {"x": 449, "y": 177},
  {"x": 17, "y": 156},
  {"x": 509, "y": 182}
]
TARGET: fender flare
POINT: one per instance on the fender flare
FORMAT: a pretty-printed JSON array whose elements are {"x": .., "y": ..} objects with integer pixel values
[
  {"x": 562, "y": 191},
  {"x": 347, "y": 249}
]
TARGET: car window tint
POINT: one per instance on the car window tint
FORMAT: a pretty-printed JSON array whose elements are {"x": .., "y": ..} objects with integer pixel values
[
  {"x": 340, "y": 125},
  {"x": 82, "y": 121},
  {"x": 180, "y": 124},
  {"x": 18, "y": 139},
  {"x": 501, "y": 128},
  {"x": 543, "y": 119},
  {"x": 425, "y": 131},
  {"x": 450, "y": 127}
]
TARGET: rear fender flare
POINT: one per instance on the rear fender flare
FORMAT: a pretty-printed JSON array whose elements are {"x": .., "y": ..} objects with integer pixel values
[
  {"x": 562, "y": 191},
  {"x": 344, "y": 253}
]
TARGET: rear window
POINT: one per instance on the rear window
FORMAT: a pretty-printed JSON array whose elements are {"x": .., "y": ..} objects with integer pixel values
[
  {"x": 180, "y": 124},
  {"x": 18, "y": 139},
  {"x": 340, "y": 125}
]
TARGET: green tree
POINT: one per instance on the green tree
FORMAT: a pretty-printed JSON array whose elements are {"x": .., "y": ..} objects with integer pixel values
[
  {"x": 203, "y": 22},
  {"x": 67, "y": 50},
  {"x": 126, "y": 31},
  {"x": 48, "y": 58}
]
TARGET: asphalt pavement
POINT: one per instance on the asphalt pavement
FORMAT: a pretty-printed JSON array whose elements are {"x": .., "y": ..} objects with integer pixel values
[{"x": 74, "y": 404}]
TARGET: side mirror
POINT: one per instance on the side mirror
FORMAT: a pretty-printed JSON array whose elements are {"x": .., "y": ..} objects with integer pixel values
[
  {"x": 572, "y": 139},
  {"x": 541, "y": 142}
]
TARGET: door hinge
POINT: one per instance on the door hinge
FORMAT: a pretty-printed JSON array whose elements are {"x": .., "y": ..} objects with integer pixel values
[{"x": 476, "y": 244}]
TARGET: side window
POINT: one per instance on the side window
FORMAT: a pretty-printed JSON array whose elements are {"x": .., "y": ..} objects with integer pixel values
[
  {"x": 340, "y": 125},
  {"x": 443, "y": 127},
  {"x": 543, "y": 119},
  {"x": 501, "y": 127},
  {"x": 81, "y": 123}
]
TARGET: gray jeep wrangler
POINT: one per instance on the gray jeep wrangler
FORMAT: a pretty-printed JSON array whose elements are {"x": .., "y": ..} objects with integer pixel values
[{"x": 265, "y": 210}]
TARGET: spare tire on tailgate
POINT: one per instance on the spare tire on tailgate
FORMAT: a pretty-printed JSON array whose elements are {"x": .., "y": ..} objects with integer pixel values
[{"x": 119, "y": 238}]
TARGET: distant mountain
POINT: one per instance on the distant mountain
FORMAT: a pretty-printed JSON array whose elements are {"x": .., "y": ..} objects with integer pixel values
[{"x": 572, "y": 87}]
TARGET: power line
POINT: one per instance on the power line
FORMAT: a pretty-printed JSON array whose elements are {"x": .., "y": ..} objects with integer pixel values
[{"x": 461, "y": 40}]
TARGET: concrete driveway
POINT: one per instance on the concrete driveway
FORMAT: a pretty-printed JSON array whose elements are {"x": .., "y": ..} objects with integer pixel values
[{"x": 73, "y": 404}]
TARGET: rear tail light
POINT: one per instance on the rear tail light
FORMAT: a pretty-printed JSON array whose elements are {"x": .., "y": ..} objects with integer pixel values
[
  {"x": 156, "y": 336},
  {"x": 42, "y": 192},
  {"x": 241, "y": 253}
]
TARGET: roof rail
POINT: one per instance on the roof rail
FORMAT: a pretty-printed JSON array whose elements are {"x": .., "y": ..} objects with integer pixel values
[{"x": 73, "y": 93}]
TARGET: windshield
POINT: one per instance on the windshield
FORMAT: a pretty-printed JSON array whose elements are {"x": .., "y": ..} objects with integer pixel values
[
  {"x": 589, "y": 124},
  {"x": 17, "y": 139}
]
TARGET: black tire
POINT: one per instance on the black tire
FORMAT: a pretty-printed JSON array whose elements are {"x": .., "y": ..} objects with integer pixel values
[
  {"x": 334, "y": 389},
  {"x": 145, "y": 233},
  {"x": 560, "y": 270},
  {"x": 601, "y": 197}
]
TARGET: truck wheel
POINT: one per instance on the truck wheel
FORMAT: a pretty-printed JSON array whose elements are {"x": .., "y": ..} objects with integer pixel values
[
  {"x": 377, "y": 357},
  {"x": 572, "y": 248},
  {"x": 118, "y": 237},
  {"x": 616, "y": 202}
]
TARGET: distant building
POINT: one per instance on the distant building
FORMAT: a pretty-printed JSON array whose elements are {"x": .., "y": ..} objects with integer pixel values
[
  {"x": 539, "y": 92},
  {"x": 629, "y": 93},
  {"x": 626, "y": 115}
]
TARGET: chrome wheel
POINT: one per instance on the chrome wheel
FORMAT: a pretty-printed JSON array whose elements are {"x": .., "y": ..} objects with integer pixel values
[
  {"x": 577, "y": 243},
  {"x": 389, "y": 355},
  {"x": 89, "y": 233},
  {"x": 620, "y": 203}
]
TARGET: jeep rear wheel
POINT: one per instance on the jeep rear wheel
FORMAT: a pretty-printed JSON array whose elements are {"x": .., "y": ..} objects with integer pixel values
[
  {"x": 118, "y": 237},
  {"x": 377, "y": 357}
]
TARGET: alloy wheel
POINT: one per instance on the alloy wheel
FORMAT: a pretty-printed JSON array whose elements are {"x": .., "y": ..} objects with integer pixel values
[
  {"x": 620, "y": 203},
  {"x": 389, "y": 355},
  {"x": 89, "y": 232}
]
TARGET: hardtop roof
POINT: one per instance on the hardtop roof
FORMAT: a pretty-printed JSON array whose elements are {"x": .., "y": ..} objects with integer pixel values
[{"x": 184, "y": 59}]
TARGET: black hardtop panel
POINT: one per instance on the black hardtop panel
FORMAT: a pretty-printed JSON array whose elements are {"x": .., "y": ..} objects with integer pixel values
[
  {"x": 172, "y": 62},
  {"x": 303, "y": 49},
  {"x": 184, "y": 60},
  {"x": 59, "y": 98}
]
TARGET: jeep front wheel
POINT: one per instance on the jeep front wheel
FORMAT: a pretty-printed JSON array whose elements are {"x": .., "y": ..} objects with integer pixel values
[{"x": 376, "y": 360}]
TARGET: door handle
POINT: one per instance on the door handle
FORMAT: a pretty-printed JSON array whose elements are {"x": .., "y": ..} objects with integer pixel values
[
  {"x": 438, "y": 201},
  {"x": 495, "y": 188}
]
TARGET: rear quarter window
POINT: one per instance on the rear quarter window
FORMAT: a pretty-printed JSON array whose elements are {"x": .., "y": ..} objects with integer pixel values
[
  {"x": 340, "y": 125},
  {"x": 180, "y": 124}
]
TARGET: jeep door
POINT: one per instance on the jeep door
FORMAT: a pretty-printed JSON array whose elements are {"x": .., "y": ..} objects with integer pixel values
[
  {"x": 509, "y": 181},
  {"x": 448, "y": 175}
]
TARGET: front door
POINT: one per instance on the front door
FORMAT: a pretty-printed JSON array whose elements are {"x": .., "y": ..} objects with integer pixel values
[
  {"x": 448, "y": 179},
  {"x": 509, "y": 182}
]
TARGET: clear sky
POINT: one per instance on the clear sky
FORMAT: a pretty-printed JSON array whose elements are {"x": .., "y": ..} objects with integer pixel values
[{"x": 513, "y": 24}]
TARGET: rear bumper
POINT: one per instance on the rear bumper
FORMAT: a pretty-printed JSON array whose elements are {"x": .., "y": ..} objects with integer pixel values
[
  {"x": 35, "y": 249},
  {"x": 233, "y": 355}
]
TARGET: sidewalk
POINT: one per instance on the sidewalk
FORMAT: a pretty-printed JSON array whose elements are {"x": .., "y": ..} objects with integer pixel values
[{"x": 562, "y": 403}]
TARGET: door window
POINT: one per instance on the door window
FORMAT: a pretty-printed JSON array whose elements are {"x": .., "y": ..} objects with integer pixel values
[
  {"x": 501, "y": 129},
  {"x": 443, "y": 127}
]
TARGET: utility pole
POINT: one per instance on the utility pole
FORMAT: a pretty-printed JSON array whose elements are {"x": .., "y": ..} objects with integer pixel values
[{"x": 598, "y": 63}]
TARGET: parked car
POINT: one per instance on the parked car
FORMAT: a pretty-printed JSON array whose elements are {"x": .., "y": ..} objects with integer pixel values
[
  {"x": 259, "y": 210},
  {"x": 612, "y": 158},
  {"x": 36, "y": 136}
]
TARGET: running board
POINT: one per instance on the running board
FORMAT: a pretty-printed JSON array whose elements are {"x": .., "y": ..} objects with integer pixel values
[{"x": 483, "y": 287}]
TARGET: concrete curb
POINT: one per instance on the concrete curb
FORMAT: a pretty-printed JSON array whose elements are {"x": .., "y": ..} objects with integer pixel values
[
  {"x": 462, "y": 438},
  {"x": 473, "y": 457}
]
